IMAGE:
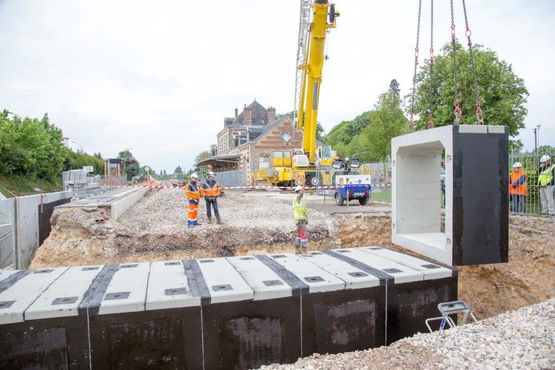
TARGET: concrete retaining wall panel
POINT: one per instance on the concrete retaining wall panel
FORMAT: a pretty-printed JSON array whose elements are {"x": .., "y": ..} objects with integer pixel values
[
  {"x": 7, "y": 232},
  {"x": 119, "y": 207}
]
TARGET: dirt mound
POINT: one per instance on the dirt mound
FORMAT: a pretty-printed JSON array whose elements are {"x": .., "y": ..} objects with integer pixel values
[{"x": 155, "y": 228}]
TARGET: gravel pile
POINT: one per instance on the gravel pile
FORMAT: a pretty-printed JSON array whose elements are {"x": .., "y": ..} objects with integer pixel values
[
  {"x": 522, "y": 339},
  {"x": 166, "y": 211}
]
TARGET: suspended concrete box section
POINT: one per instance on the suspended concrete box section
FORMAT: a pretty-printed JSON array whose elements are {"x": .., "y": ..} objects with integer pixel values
[{"x": 475, "y": 229}]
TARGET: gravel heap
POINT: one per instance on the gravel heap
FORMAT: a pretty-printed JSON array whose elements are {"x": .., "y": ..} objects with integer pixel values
[
  {"x": 166, "y": 211},
  {"x": 522, "y": 339}
]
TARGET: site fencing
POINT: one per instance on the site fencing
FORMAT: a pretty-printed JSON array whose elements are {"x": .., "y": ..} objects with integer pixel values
[{"x": 528, "y": 203}]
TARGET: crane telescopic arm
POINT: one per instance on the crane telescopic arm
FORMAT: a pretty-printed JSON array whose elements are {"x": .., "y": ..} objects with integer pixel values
[{"x": 312, "y": 74}]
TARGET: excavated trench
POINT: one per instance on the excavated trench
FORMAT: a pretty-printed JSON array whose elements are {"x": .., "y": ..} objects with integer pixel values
[{"x": 261, "y": 223}]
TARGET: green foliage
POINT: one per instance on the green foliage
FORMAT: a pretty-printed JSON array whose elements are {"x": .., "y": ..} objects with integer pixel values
[
  {"x": 515, "y": 146},
  {"x": 202, "y": 156},
  {"x": 368, "y": 136},
  {"x": 320, "y": 133},
  {"x": 131, "y": 165},
  {"x": 30, "y": 147},
  {"x": 15, "y": 185},
  {"x": 503, "y": 94},
  {"x": 345, "y": 138},
  {"x": 545, "y": 149},
  {"x": 387, "y": 121},
  {"x": 75, "y": 161}
]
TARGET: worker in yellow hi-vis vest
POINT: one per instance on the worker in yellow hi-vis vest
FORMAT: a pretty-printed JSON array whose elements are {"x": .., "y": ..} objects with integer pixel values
[
  {"x": 546, "y": 181},
  {"x": 300, "y": 214}
]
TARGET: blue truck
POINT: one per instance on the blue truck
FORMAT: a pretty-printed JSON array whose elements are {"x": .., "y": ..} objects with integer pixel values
[{"x": 349, "y": 187}]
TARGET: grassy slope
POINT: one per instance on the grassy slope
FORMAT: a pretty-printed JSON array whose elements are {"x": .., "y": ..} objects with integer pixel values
[{"x": 16, "y": 185}]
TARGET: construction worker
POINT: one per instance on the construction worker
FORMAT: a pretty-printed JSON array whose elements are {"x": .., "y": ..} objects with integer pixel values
[
  {"x": 300, "y": 214},
  {"x": 211, "y": 191},
  {"x": 546, "y": 181},
  {"x": 192, "y": 191},
  {"x": 518, "y": 188}
]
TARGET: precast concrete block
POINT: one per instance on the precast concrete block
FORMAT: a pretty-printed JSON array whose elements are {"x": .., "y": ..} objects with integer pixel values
[
  {"x": 236, "y": 312},
  {"x": 475, "y": 226},
  {"x": 39, "y": 322},
  {"x": 339, "y": 320},
  {"x": 412, "y": 293}
]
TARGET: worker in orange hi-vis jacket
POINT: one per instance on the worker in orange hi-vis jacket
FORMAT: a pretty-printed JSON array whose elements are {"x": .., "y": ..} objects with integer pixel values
[
  {"x": 211, "y": 190},
  {"x": 192, "y": 191}
]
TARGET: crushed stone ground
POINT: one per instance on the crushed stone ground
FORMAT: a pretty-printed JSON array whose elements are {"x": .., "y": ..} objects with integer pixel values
[{"x": 522, "y": 339}]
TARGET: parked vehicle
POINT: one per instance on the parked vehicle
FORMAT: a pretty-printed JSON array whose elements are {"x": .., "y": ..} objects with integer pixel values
[{"x": 349, "y": 187}]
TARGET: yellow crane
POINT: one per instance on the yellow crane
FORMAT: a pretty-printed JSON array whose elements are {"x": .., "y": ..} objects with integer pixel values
[{"x": 313, "y": 164}]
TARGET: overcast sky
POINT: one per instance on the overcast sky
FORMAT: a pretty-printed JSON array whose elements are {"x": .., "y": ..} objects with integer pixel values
[{"x": 158, "y": 77}]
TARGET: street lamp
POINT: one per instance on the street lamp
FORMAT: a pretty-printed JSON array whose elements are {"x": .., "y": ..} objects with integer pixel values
[
  {"x": 537, "y": 137},
  {"x": 74, "y": 142}
]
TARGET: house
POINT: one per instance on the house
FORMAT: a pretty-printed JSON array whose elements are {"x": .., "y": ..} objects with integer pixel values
[{"x": 248, "y": 141}]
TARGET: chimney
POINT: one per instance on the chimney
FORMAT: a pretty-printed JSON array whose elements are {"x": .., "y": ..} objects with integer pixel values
[
  {"x": 271, "y": 114},
  {"x": 247, "y": 115},
  {"x": 236, "y": 112}
]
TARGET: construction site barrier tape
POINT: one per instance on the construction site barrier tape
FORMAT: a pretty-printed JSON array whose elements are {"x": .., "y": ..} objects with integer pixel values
[{"x": 245, "y": 187}]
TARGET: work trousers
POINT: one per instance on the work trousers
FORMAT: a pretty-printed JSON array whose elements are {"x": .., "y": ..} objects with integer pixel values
[
  {"x": 192, "y": 213},
  {"x": 212, "y": 203},
  {"x": 546, "y": 197},
  {"x": 301, "y": 240},
  {"x": 518, "y": 203}
]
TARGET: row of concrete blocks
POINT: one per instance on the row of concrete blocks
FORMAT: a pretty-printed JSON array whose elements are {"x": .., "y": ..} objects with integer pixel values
[{"x": 220, "y": 313}]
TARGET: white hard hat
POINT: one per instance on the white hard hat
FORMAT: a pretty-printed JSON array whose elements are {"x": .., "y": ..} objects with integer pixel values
[
  {"x": 298, "y": 188},
  {"x": 517, "y": 165},
  {"x": 194, "y": 176},
  {"x": 545, "y": 158},
  {"x": 210, "y": 173}
]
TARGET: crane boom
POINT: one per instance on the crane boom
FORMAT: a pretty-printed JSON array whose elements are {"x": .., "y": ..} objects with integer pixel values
[
  {"x": 312, "y": 73},
  {"x": 302, "y": 50}
]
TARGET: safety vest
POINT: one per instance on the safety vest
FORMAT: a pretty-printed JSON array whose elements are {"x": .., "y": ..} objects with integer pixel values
[
  {"x": 546, "y": 176},
  {"x": 192, "y": 191},
  {"x": 521, "y": 189},
  {"x": 210, "y": 191},
  {"x": 299, "y": 210}
]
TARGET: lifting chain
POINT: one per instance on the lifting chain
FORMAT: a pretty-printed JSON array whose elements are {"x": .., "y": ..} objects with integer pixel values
[
  {"x": 416, "y": 52},
  {"x": 432, "y": 62},
  {"x": 456, "y": 103},
  {"x": 479, "y": 114}
]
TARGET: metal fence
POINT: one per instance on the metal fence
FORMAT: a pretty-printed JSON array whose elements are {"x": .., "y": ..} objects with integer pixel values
[
  {"x": 231, "y": 178},
  {"x": 528, "y": 202}
]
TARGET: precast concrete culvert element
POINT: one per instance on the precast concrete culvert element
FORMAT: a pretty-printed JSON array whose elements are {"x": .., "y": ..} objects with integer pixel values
[{"x": 213, "y": 313}]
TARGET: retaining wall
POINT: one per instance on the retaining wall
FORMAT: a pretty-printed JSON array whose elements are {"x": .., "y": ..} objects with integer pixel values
[
  {"x": 24, "y": 224},
  {"x": 233, "y": 313}
]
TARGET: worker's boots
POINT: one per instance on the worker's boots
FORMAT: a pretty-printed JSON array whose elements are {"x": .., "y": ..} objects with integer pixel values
[
  {"x": 209, "y": 220},
  {"x": 219, "y": 220}
]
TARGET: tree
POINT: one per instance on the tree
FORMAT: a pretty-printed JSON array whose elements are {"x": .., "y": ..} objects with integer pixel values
[
  {"x": 502, "y": 93},
  {"x": 30, "y": 147},
  {"x": 202, "y": 156},
  {"x": 545, "y": 149},
  {"x": 131, "y": 165},
  {"x": 320, "y": 133},
  {"x": 386, "y": 122},
  {"x": 515, "y": 146}
]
